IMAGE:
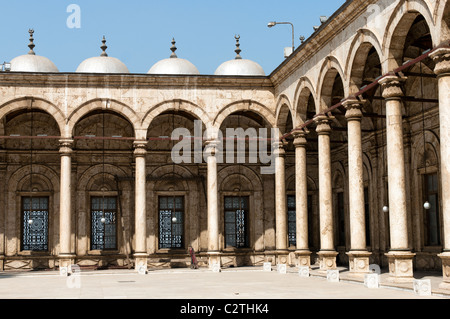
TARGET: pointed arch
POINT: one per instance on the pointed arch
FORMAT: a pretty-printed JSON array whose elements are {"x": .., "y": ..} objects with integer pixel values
[
  {"x": 331, "y": 67},
  {"x": 304, "y": 89}
]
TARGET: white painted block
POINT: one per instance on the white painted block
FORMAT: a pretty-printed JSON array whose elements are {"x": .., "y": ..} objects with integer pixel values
[
  {"x": 303, "y": 271},
  {"x": 333, "y": 275},
  {"x": 142, "y": 270},
  {"x": 281, "y": 268},
  {"x": 216, "y": 267},
  {"x": 372, "y": 281},
  {"x": 267, "y": 266},
  {"x": 422, "y": 287},
  {"x": 64, "y": 271}
]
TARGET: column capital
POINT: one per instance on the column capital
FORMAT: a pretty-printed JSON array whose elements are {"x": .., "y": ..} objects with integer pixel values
[
  {"x": 278, "y": 148},
  {"x": 441, "y": 58},
  {"x": 140, "y": 148},
  {"x": 300, "y": 138},
  {"x": 211, "y": 147},
  {"x": 353, "y": 109},
  {"x": 323, "y": 124},
  {"x": 65, "y": 147},
  {"x": 392, "y": 86}
]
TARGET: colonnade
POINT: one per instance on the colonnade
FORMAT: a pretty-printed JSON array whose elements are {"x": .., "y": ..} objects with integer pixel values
[{"x": 400, "y": 255}]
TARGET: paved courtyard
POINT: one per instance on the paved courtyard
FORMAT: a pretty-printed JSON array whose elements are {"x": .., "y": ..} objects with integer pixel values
[{"x": 231, "y": 283}]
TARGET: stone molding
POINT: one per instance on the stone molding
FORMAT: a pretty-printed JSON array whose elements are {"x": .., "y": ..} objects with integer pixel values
[
  {"x": 140, "y": 148},
  {"x": 442, "y": 59},
  {"x": 392, "y": 86}
]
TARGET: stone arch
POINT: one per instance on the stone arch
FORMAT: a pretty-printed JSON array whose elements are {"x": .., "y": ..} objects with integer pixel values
[
  {"x": 33, "y": 103},
  {"x": 88, "y": 177},
  {"x": 45, "y": 182},
  {"x": 398, "y": 27},
  {"x": 328, "y": 72},
  {"x": 106, "y": 105},
  {"x": 245, "y": 105},
  {"x": 304, "y": 89},
  {"x": 442, "y": 17},
  {"x": 237, "y": 174},
  {"x": 284, "y": 108},
  {"x": 176, "y": 171},
  {"x": 176, "y": 104},
  {"x": 363, "y": 42}
]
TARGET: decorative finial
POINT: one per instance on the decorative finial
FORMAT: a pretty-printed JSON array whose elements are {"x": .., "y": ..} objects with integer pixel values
[
  {"x": 173, "y": 49},
  {"x": 238, "y": 50},
  {"x": 104, "y": 47},
  {"x": 31, "y": 45}
]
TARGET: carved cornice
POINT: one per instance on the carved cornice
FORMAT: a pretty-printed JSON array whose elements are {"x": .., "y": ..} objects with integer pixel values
[
  {"x": 323, "y": 126},
  {"x": 392, "y": 86},
  {"x": 300, "y": 138},
  {"x": 353, "y": 109},
  {"x": 442, "y": 59},
  {"x": 65, "y": 147},
  {"x": 140, "y": 148}
]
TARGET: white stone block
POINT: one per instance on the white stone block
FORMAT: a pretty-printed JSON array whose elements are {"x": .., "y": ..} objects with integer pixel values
[
  {"x": 281, "y": 268},
  {"x": 142, "y": 270},
  {"x": 267, "y": 266},
  {"x": 333, "y": 275},
  {"x": 303, "y": 271},
  {"x": 64, "y": 271},
  {"x": 216, "y": 267},
  {"x": 422, "y": 287},
  {"x": 372, "y": 281}
]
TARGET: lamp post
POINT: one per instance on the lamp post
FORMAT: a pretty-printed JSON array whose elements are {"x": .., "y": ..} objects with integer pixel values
[{"x": 273, "y": 23}]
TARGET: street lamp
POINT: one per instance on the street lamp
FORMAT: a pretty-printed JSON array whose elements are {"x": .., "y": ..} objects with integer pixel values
[{"x": 273, "y": 23}]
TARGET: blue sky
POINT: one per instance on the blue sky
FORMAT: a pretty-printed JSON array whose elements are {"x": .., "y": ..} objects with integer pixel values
[{"x": 139, "y": 32}]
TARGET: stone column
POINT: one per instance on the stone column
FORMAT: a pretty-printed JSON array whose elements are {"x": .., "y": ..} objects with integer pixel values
[
  {"x": 213, "y": 203},
  {"x": 281, "y": 237},
  {"x": 327, "y": 253},
  {"x": 140, "y": 254},
  {"x": 442, "y": 59},
  {"x": 400, "y": 257},
  {"x": 358, "y": 255},
  {"x": 66, "y": 256},
  {"x": 301, "y": 200}
]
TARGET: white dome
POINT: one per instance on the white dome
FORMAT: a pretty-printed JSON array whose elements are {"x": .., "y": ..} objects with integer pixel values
[
  {"x": 102, "y": 63},
  {"x": 32, "y": 63},
  {"x": 173, "y": 66},
  {"x": 240, "y": 67}
]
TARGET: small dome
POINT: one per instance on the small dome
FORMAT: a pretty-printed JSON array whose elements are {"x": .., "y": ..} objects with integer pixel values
[
  {"x": 102, "y": 64},
  {"x": 31, "y": 62},
  {"x": 240, "y": 66},
  {"x": 174, "y": 65}
]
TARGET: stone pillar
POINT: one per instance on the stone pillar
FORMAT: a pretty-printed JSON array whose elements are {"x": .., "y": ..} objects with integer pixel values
[
  {"x": 301, "y": 200},
  {"x": 66, "y": 256},
  {"x": 400, "y": 257},
  {"x": 442, "y": 59},
  {"x": 140, "y": 254},
  {"x": 358, "y": 254},
  {"x": 213, "y": 203},
  {"x": 281, "y": 237},
  {"x": 327, "y": 253}
]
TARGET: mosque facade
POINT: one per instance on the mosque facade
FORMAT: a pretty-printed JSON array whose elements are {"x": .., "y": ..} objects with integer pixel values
[{"x": 358, "y": 123}]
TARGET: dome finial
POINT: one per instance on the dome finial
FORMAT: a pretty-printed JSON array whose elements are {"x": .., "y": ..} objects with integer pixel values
[
  {"x": 238, "y": 50},
  {"x": 31, "y": 44},
  {"x": 173, "y": 49},
  {"x": 104, "y": 47}
]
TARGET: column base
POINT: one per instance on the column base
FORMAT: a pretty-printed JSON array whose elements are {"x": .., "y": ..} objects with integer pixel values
[
  {"x": 327, "y": 260},
  {"x": 66, "y": 260},
  {"x": 359, "y": 262},
  {"x": 282, "y": 257},
  {"x": 445, "y": 257},
  {"x": 400, "y": 266},
  {"x": 140, "y": 262},
  {"x": 303, "y": 258},
  {"x": 214, "y": 259}
]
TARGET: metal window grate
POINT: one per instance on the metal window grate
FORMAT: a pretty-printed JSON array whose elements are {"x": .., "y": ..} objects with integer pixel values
[
  {"x": 171, "y": 222},
  {"x": 236, "y": 220},
  {"x": 103, "y": 234},
  {"x": 35, "y": 223},
  {"x": 292, "y": 227}
]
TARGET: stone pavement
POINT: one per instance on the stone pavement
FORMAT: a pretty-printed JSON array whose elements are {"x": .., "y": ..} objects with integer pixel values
[{"x": 231, "y": 283}]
